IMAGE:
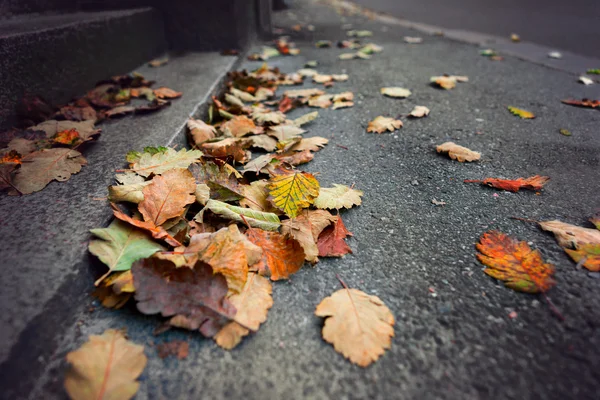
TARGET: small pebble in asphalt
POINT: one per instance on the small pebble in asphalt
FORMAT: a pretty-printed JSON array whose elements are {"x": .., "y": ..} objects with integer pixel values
[{"x": 415, "y": 183}]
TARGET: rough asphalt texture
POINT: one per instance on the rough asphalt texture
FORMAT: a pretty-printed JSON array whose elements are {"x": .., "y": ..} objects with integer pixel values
[{"x": 458, "y": 344}]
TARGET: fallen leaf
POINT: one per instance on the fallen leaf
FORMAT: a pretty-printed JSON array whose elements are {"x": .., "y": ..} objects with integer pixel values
[
  {"x": 593, "y": 71},
  {"x": 565, "y": 132},
  {"x": 200, "y": 131},
  {"x": 306, "y": 228},
  {"x": 395, "y": 92},
  {"x": 359, "y": 33},
  {"x": 514, "y": 37},
  {"x": 161, "y": 162},
  {"x": 285, "y": 132},
  {"x": 119, "y": 111},
  {"x": 514, "y": 263},
  {"x": 282, "y": 256},
  {"x": 166, "y": 93},
  {"x": 323, "y": 43},
  {"x": 223, "y": 184},
  {"x": 359, "y": 326},
  {"x": 21, "y": 146},
  {"x": 306, "y": 118},
  {"x": 242, "y": 95},
  {"x": 68, "y": 137},
  {"x": 193, "y": 297},
  {"x": 40, "y": 168},
  {"x": 339, "y": 196},
  {"x": 85, "y": 129},
  {"x": 167, "y": 196},
  {"x": 585, "y": 80},
  {"x": 256, "y": 219},
  {"x": 320, "y": 78},
  {"x": 457, "y": 152},
  {"x": 382, "y": 124},
  {"x": 419, "y": 112},
  {"x": 571, "y": 236},
  {"x": 513, "y": 185},
  {"x": 109, "y": 299},
  {"x": 295, "y": 157},
  {"x": 132, "y": 193},
  {"x": 268, "y": 116},
  {"x": 153, "y": 106},
  {"x": 589, "y": 254},
  {"x": 447, "y": 81},
  {"x": 252, "y": 304},
  {"x": 175, "y": 348},
  {"x": 521, "y": 113},
  {"x": 345, "y": 96},
  {"x": 437, "y": 202},
  {"x": 74, "y": 113},
  {"x": 307, "y": 72},
  {"x": 156, "y": 231},
  {"x": 342, "y": 104},
  {"x": 586, "y": 103},
  {"x": 413, "y": 40},
  {"x": 321, "y": 101},
  {"x": 105, "y": 367},
  {"x": 303, "y": 93},
  {"x": 293, "y": 191},
  {"x": 158, "y": 62},
  {"x": 234, "y": 148},
  {"x": 120, "y": 245},
  {"x": 255, "y": 197},
  {"x": 331, "y": 241}
]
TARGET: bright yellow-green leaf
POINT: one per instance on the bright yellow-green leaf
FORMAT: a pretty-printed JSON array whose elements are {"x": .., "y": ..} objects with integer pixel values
[
  {"x": 521, "y": 113},
  {"x": 293, "y": 191}
]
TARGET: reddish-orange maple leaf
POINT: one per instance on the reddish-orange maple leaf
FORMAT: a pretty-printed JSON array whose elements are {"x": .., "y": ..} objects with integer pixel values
[
  {"x": 513, "y": 185},
  {"x": 331, "y": 241},
  {"x": 282, "y": 255},
  {"x": 158, "y": 232},
  {"x": 587, "y": 103}
]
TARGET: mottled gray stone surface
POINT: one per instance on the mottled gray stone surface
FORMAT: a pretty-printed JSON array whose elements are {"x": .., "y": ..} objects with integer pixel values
[{"x": 460, "y": 344}]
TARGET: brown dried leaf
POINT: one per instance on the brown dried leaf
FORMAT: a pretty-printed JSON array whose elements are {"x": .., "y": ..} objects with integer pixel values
[
  {"x": 458, "y": 153},
  {"x": 238, "y": 126},
  {"x": 382, "y": 124},
  {"x": 200, "y": 131},
  {"x": 282, "y": 256},
  {"x": 167, "y": 196},
  {"x": 331, "y": 241},
  {"x": 166, "y": 93}
]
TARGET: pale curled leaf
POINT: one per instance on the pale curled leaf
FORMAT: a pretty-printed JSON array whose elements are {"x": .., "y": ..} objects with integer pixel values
[
  {"x": 359, "y": 326},
  {"x": 571, "y": 236},
  {"x": 382, "y": 124},
  {"x": 395, "y": 92},
  {"x": 200, "y": 131},
  {"x": 105, "y": 367},
  {"x": 306, "y": 118},
  {"x": 167, "y": 195},
  {"x": 419, "y": 112},
  {"x": 457, "y": 152}
]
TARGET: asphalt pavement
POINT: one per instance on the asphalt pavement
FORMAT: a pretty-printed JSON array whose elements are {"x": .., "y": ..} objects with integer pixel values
[{"x": 454, "y": 335}]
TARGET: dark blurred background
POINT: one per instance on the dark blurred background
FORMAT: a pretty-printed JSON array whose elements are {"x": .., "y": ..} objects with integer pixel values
[{"x": 572, "y": 25}]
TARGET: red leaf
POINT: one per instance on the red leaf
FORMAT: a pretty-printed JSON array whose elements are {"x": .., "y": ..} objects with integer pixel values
[
  {"x": 582, "y": 103},
  {"x": 513, "y": 185},
  {"x": 331, "y": 241}
]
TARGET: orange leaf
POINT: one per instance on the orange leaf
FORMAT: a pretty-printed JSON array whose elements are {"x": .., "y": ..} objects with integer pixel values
[
  {"x": 11, "y": 157},
  {"x": 589, "y": 254},
  {"x": 167, "y": 195},
  {"x": 166, "y": 93},
  {"x": 532, "y": 183},
  {"x": 587, "y": 103},
  {"x": 157, "y": 232},
  {"x": 282, "y": 256},
  {"x": 68, "y": 137},
  {"x": 238, "y": 126},
  {"x": 331, "y": 241},
  {"x": 514, "y": 263}
]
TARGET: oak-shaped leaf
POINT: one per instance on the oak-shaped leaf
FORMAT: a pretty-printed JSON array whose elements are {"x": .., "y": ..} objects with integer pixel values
[
  {"x": 252, "y": 304},
  {"x": 514, "y": 185},
  {"x": 419, "y": 112},
  {"x": 339, "y": 196},
  {"x": 524, "y": 114},
  {"x": 282, "y": 255},
  {"x": 41, "y": 167},
  {"x": 331, "y": 241},
  {"x": 167, "y": 196},
  {"x": 358, "y": 325},
  {"x": 163, "y": 161},
  {"x": 514, "y": 263},
  {"x": 120, "y": 245},
  {"x": 256, "y": 219},
  {"x": 457, "y": 152},
  {"x": 194, "y": 298},
  {"x": 105, "y": 367},
  {"x": 382, "y": 124},
  {"x": 291, "y": 192},
  {"x": 306, "y": 228},
  {"x": 200, "y": 131}
]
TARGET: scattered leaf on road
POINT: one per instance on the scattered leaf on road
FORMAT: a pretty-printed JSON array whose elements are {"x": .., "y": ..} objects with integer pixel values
[
  {"x": 293, "y": 191},
  {"x": 514, "y": 185},
  {"x": 457, "y": 152},
  {"x": 419, "y": 112},
  {"x": 382, "y": 124},
  {"x": 395, "y": 92},
  {"x": 521, "y": 113}
]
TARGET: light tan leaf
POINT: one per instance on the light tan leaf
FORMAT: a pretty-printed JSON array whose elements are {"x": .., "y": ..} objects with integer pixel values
[
  {"x": 344, "y": 96},
  {"x": 255, "y": 197},
  {"x": 200, "y": 131},
  {"x": 571, "y": 236},
  {"x": 257, "y": 164},
  {"x": 419, "y": 112},
  {"x": 167, "y": 195},
  {"x": 395, "y": 92},
  {"x": 320, "y": 78},
  {"x": 238, "y": 126},
  {"x": 40, "y": 168},
  {"x": 285, "y": 132},
  {"x": 306, "y": 118},
  {"x": 457, "y": 152},
  {"x": 265, "y": 142},
  {"x": 306, "y": 228},
  {"x": 307, "y": 72},
  {"x": 202, "y": 193},
  {"x": 342, "y": 104},
  {"x": 298, "y": 93},
  {"x": 359, "y": 326},
  {"x": 105, "y": 367},
  {"x": 85, "y": 129},
  {"x": 314, "y": 143},
  {"x": 131, "y": 193},
  {"x": 265, "y": 115},
  {"x": 339, "y": 196},
  {"x": 340, "y": 77},
  {"x": 244, "y": 96},
  {"x": 252, "y": 304},
  {"x": 382, "y": 124},
  {"x": 234, "y": 101},
  {"x": 321, "y": 101}
]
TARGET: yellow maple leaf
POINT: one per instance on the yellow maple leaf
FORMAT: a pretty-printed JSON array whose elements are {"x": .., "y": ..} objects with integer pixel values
[
  {"x": 293, "y": 191},
  {"x": 521, "y": 113}
]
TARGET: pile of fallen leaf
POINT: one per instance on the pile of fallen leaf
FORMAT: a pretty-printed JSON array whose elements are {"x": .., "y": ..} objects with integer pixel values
[
  {"x": 198, "y": 241},
  {"x": 49, "y": 148}
]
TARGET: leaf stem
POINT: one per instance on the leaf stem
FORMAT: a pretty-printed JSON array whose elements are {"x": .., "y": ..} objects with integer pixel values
[
  {"x": 553, "y": 307},
  {"x": 341, "y": 281}
]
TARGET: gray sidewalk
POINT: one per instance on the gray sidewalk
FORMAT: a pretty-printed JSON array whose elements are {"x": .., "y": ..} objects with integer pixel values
[{"x": 458, "y": 344}]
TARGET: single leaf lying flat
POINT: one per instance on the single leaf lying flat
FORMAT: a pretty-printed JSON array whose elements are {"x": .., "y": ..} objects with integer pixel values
[
  {"x": 571, "y": 236},
  {"x": 194, "y": 297},
  {"x": 163, "y": 161},
  {"x": 120, "y": 245},
  {"x": 395, "y": 92},
  {"x": 238, "y": 126},
  {"x": 586, "y": 103},
  {"x": 419, "y": 112},
  {"x": 105, "y": 367},
  {"x": 167, "y": 195},
  {"x": 40, "y": 168},
  {"x": 382, "y": 124},
  {"x": 293, "y": 191},
  {"x": 457, "y": 152},
  {"x": 282, "y": 256},
  {"x": 257, "y": 219},
  {"x": 514, "y": 263},
  {"x": 514, "y": 185},
  {"x": 447, "y": 81},
  {"x": 306, "y": 118},
  {"x": 331, "y": 241},
  {"x": 339, "y": 196},
  {"x": 521, "y": 113},
  {"x": 359, "y": 326},
  {"x": 252, "y": 304}
]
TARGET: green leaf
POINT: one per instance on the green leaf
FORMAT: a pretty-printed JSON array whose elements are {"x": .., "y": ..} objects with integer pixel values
[
  {"x": 120, "y": 245},
  {"x": 256, "y": 219}
]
